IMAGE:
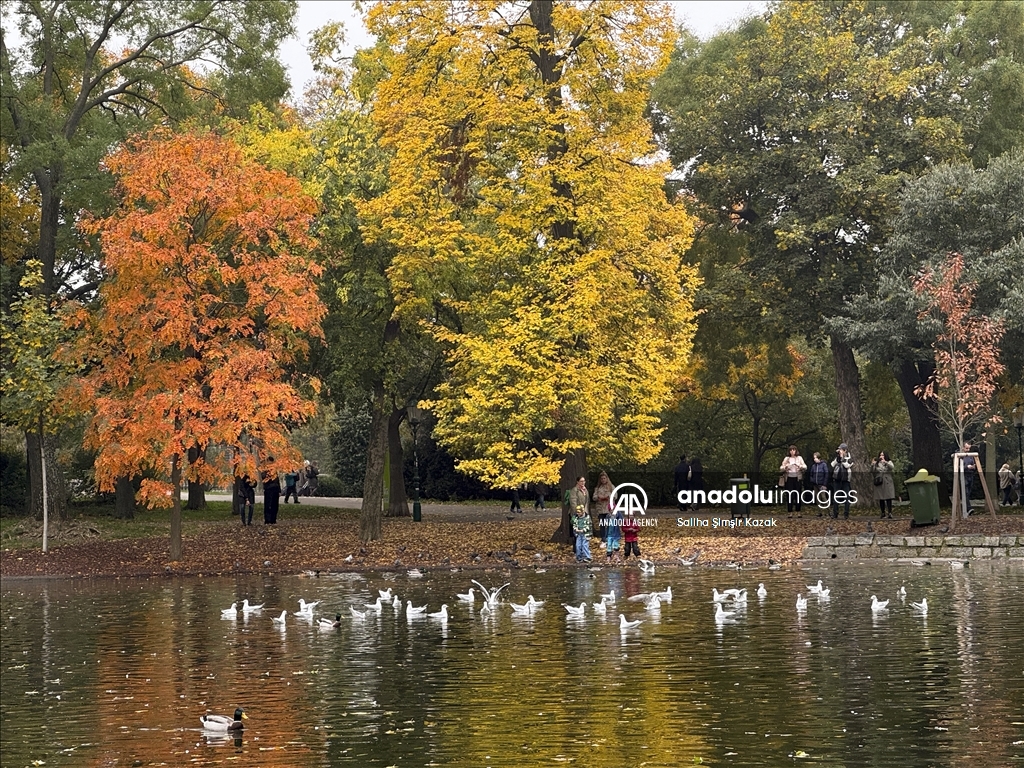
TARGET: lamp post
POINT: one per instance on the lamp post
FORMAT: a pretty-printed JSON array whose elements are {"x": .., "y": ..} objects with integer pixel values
[
  {"x": 1018, "y": 422},
  {"x": 415, "y": 417}
]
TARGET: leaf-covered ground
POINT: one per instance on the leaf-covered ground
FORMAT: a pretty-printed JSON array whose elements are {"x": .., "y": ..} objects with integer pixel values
[{"x": 461, "y": 537}]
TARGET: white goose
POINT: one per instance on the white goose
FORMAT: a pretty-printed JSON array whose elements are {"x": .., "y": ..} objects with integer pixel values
[
  {"x": 246, "y": 608},
  {"x": 922, "y": 606},
  {"x": 576, "y": 613},
  {"x": 410, "y": 610},
  {"x": 627, "y": 625},
  {"x": 467, "y": 597},
  {"x": 230, "y": 613},
  {"x": 801, "y": 603},
  {"x": 878, "y": 605},
  {"x": 762, "y": 593},
  {"x": 442, "y": 614}
]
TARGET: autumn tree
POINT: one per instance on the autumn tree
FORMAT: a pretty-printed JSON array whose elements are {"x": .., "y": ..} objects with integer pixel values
[
  {"x": 208, "y": 302},
  {"x": 532, "y": 233}
]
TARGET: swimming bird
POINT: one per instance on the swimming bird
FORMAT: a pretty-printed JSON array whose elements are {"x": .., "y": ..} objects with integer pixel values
[
  {"x": 442, "y": 614},
  {"x": 815, "y": 588},
  {"x": 762, "y": 593},
  {"x": 522, "y": 609},
  {"x": 305, "y": 607},
  {"x": 576, "y": 612},
  {"x": 385, "y": 594},
  {"x": 414, "y": 573},
  {"x": 666, "y": 595},
  {"x": 610, "y": 597},
  {"x": 956, "y": 565},
  {"x": 230, "y": 613},
  {"x": 721, "y": 614},
  {"x": 624, "y": 625},
  {"x": 801, "y": 602},
  {"x": 640, "y": 597},
  {"x": 825, "y": 594},
  {"x": 740, "y": 598},
  {"x": 246, "y": 608},
  {"x": 489, "y": 596},
  {"x": 654, "y": 604},
  {"x": 224, "y": 724},
  {"x": 601, "y": 607},
  {"x": 691, "y": 559},
  {"x": 719, "y": 597},
  {"x": 357, "y": 614},
  {"x": 328, "y": 624},
  {"x": 412, "y": 611},
  {"x": 647, "y": 566},
  {"x": 922, "y": 606},
  {"x": 281, "y": 619},
  {"x": 396, "y": 603},
  {"x": 376, "y": 607},
  {"x": 530, "y": 601},
  {"x": 467, "y": 597},
  {"x": 878, "y": 605}
]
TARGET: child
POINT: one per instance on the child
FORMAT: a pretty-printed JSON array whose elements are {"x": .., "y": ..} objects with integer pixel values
[
  {"x": 582, "y": 527},
  {"x": 630, "y": 534},
  {"x": 614, "y": 536}
]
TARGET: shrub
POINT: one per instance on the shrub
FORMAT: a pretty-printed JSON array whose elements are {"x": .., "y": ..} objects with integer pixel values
[{"x": 331, "y": 486}]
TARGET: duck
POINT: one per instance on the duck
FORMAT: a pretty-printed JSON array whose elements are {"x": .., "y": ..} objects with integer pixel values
[
  {"x": 466, "y": 597},
  {"x": 762, "y": 593},
  {"x": 224, "y": 724},
  {"x": 878, "y": 605},
  {"x": 576, "y": 612},
  {"x": 279, "y": 620},
  {"x": 328, "y": 624},
  {"x": 412, "y": 611},
  {"x": 922, "y": 606},
  {"x": 246, "y": 608},
  {"x": 442, "y": 614},
  {"x": 626, "y": 625},
  {"x": 801, "y": 602},
  {"x": 230, "y": 613}
]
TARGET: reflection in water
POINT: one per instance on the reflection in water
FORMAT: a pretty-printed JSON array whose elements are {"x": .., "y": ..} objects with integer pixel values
[{"x": 120, "y": 672}]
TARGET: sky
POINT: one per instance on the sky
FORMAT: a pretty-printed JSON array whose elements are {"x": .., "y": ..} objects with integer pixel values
[{"x": 703, "y": 17}]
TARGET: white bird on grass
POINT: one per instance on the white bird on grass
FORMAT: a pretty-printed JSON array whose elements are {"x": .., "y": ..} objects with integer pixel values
[
  {"x": 762, "y": 593},
  {"x": 815, "y": 588},
  {"x": 627, "y": 625},
  {"x": 442, "y": 614},
  {"x": 610, "y": 597},
  {"x": 412, "y": 611},
  {"x": 922, "y": 606},
  {"x": 878, "y": 605},
  {"x": 489, "y": 596},
  {"x": 246, "y": 608},
  {"x": 230, "y": 613},
  {"x": 601, "y": 607},
  {"x": 280, "y": 620},
  {"x": 721, "y": 614},
  {"x": 467, "y": 597},
  {"x": 576, "y": 613},
  {"x": 801, "y": 602}
]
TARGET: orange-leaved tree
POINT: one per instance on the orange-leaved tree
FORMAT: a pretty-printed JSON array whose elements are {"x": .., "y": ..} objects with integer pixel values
[{"x": 209, "y": 301}]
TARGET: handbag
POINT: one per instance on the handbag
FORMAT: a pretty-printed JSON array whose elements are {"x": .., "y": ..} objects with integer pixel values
[
  {"x": 782, "y": 480},
  {"x": 878, "y": 480}
]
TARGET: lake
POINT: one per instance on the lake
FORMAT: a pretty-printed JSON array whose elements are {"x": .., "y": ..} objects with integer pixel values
[{"x": 118, "y": 672}]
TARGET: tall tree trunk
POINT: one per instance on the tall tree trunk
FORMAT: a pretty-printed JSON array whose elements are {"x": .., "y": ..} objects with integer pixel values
[
  {"x": 176, "y": 510},
  {"x": 196, "y": 492},
  {"x": 370, "y": 513},
  {"x": 926, "y": 443},
  {"x": 756, "y": 453},
  {"x": 124, "y": 498},
  {"x": 236, "y": 496},
  {"x": 574, "y": 467},
  {"x": 851, "y": 417},
  {"x": 398, "y": 503},
  {"x": 56, "y": 484}
]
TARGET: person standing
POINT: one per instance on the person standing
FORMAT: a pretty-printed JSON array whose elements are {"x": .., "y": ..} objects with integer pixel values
[
  {"x": 696, "y": 481},
  {"x": 613, "y": 539},
  {"x": 581, "y": 528},
  {"x": 793, "y": 467},
  {"x": 970, "y": 473},
  {"x": 291, "y": 485},
  {"x": 681, "y": 478},
  {"x": 246, "y": 498},
  {"x": 271, "y": 493},
  {"x": 842, "y": 465},
  {"x": 602, "y": 503},
  {"x": 884, "y": 486},
  {"x": 515, "y": 507},
  {"x": 1006, "y": 483},
  {"x": 819, "y": 477},
  {"x": 631, "y": 536},
  {"x": 540, "y": 490}
]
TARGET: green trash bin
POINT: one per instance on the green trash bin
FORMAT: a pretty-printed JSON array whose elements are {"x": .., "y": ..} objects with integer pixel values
[
  {"x": 740, "y": 508},
  {"x": 924, "y": 498}
]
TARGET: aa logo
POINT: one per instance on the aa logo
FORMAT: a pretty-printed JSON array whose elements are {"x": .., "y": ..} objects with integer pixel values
[{"x": 624, "y": 500}]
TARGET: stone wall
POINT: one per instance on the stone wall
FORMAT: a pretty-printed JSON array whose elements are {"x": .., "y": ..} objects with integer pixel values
[{"x": 871, "y": 545}]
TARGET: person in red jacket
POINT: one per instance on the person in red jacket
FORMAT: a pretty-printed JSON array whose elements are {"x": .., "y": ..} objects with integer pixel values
[{"x": 630, "y": 534}]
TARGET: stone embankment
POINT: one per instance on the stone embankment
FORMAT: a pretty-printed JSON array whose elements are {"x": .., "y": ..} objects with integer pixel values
[{"x": 877, "y": 545}]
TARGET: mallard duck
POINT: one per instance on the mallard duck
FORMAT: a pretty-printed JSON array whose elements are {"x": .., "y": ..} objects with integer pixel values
[
  {"x": 221, "y": 723},
  {"x": 328, "y": 624}
]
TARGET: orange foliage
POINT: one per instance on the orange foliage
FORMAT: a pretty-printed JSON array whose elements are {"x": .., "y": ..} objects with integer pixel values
[{"x": 209, "y": 300}]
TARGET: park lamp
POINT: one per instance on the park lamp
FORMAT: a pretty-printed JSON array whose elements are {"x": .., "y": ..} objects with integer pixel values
[{"x": 415, "y": 419}]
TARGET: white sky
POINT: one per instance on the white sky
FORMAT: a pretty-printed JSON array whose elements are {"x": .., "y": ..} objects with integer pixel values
[{"x": 703, "y": 17}]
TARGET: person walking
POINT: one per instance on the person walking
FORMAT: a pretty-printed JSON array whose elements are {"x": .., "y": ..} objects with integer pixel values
[
  {"x": 884, "y": 486},
  {"x": 515, "y": 507},
  {"x": 793, "y": 468},
  {"x": 313, "y": 478},
  {"x": 540, "y": 490},
  {"x": 602, "y": 503},
  {"x": 842, "y": 465},
  {"x": 291, "y": 485},
  {"x": 271, "y": 493}
]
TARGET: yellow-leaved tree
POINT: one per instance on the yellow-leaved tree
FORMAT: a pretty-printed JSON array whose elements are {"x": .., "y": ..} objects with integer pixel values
[{"x": 531, "y": 227}]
